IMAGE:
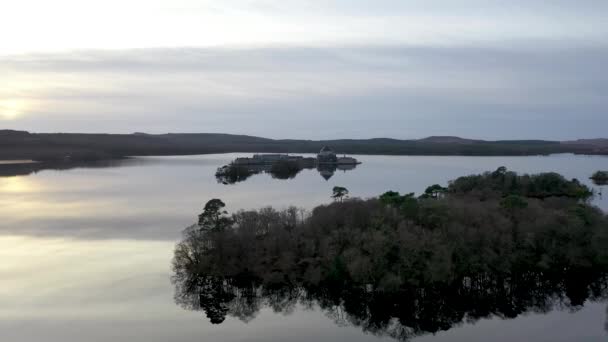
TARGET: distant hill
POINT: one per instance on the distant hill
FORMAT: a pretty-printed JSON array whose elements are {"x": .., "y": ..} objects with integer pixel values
[
  {"x": 12, "y": 133},
  {"x": 84, "y": 147},
  {"x": 591, "y": 146},
  {"x": 447, "y": 140},
  {"x": 591, "y": 142}
]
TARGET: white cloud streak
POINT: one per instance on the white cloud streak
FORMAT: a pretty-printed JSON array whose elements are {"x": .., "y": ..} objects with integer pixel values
[
  {"x": 60, "y": 25},
  {"x": 316, "y": 89}
]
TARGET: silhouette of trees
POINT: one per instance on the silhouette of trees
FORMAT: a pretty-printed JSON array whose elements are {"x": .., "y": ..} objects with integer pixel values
[
  {"x": 214, "y": 216},
  {"x": 496, "y": 244},
  {"x": 231, "y": 174},
  {"x": 502, "y": 182},
  {"x": 285, "y": 169},
  {"x": 434, "y": 191},
  {"x": 600, "y": 178},
  {"x": 339, "y": 193}
]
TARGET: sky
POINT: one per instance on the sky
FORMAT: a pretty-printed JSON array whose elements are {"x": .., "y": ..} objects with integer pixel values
[{"x": 315, "y": 69}]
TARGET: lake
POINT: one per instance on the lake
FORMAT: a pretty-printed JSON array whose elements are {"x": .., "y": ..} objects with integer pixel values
[{"x": 86, "y": 252}]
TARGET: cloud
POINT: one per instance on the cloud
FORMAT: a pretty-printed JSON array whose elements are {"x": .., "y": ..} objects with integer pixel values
[
  {"x": 61, "y": 25},
  {"x": 318, "y": 88}
]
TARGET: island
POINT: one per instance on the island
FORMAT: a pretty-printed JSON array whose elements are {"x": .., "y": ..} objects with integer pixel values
[
  {"x": 497, "y": 244},
  {"x": 600, "y": 178},
  {"x": 284, "y": 166}
]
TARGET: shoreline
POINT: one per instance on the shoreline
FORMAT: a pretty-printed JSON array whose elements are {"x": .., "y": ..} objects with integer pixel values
[{"x": 13, "y": 161}]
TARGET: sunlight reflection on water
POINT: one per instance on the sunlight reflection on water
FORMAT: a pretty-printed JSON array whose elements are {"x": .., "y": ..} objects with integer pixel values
[{"x": 86, "y": 252}]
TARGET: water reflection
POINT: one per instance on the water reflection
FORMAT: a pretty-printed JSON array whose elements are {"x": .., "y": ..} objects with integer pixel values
[
  {"x": 99, "y": 241},
  {"x": 141, "y": 197},
  {"x": 232, "y": 174},
  {"x": 602, "y": 185},
  {"x": 600, "y": 182},
  {"x": 27, "y": 168},
  {"x": 410, "y": 312}
]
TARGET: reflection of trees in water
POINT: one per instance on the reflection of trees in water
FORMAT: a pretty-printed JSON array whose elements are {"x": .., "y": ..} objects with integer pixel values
[
  {"x": 417, "y": 306},
  {"x": 329, "y": 170},
  {"x": 231, "y": 174},
  {"x": 234, "y": 173},
  {"x": 409, "y": 312},
  {"x": 23, "y": 169},
  {"x": 600, "y": 178},
  {"x": 404, "y": 266}
]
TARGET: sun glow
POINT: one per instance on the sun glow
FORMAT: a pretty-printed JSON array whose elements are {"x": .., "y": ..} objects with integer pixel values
[
  {"x": 11, "y": 109},
  {"x": 15, "y": 185}
]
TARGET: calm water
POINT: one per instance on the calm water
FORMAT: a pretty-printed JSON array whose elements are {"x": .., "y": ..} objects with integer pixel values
[{"x": 86, "y": 252}]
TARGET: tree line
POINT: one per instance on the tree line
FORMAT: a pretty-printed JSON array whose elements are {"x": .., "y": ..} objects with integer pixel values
[{"x": 49, "y": 147}]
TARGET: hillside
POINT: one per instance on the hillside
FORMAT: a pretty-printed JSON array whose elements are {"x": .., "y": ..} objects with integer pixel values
[{"x": 84, "y": 147}]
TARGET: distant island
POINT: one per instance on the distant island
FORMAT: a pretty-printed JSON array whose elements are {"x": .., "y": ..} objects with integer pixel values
[
  {"x": 284, "y": 166},
  {"x": 600, "y": 178},
  {"x": 73, "y": 147}
]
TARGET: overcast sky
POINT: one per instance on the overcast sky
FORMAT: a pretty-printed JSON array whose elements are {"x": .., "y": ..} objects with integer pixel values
[{"x": 307, "y": 69}]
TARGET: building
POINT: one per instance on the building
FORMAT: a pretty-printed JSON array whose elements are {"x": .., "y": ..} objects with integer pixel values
[
  {"x": 347, "y": 161},
  {"x": 327, "y": 155},
  {"x": 269, "y": 158}
]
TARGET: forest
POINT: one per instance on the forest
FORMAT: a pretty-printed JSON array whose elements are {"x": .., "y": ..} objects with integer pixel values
[
  {"x": 53, "y": 147},
  {"x": 403, "y": 265}
]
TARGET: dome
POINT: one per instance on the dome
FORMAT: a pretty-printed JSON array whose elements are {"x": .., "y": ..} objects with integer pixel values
[
  {"x": 326, "y": 149},
  {"x": 326, "y": 155}
]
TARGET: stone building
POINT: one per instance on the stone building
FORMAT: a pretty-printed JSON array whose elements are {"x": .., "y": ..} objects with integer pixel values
[{"x": 327, "y": 155}]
